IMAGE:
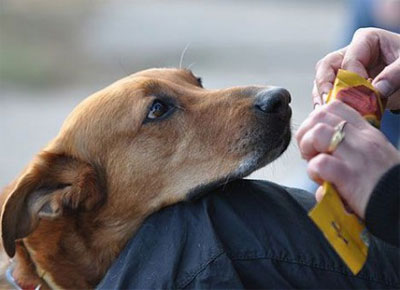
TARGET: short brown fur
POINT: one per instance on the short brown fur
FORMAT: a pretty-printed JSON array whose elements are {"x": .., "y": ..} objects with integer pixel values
[{"x": 75, "y": 206}]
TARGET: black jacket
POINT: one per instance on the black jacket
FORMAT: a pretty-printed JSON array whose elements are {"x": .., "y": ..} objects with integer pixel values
[
  {"x": 382, "y": 215},
  {"x": 246, "y": 234}
]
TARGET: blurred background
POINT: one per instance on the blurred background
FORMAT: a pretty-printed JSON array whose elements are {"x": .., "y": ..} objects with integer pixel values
[{"x": 53, "y": 54}]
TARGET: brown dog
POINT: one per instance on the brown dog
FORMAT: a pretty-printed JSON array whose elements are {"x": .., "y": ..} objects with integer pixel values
[{"x": 143, "y": 143}]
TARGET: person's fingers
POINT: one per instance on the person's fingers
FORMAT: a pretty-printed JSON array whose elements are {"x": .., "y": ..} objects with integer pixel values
[
  {"x": 315, "y": 117},
  {"x": 312, "y": 136},
  {"x": 362, "y": 52},
  {"x": 319, "y": 194},
  {"x": 345, "y": 112},
  {"x": 325, "y": 167},
  {"x": 316, "y": 140},
  {"x": 326, "y": 70},
  {"x": 316, "y": 98},
  {"x": 388, "y": 81}
]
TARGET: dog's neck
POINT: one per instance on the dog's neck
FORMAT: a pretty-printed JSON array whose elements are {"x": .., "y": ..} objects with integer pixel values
[
  {"x": 22, "y": 272},
  {"x": 59, "y": 259},
  {"x": 76, "y": 250}
]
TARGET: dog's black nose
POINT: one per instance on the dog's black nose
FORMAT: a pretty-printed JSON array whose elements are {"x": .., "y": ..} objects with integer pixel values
[{"x": 272, "y": 101}]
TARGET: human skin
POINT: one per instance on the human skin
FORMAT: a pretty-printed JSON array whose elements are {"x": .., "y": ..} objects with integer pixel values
[
  {"x": 365, "y": 154},
  {"x": 359, "y": 161},
  {"x": 374, "y": 54}
]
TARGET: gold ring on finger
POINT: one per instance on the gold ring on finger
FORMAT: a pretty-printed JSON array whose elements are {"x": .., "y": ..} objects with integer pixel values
[{"x": 337, "y": 137}]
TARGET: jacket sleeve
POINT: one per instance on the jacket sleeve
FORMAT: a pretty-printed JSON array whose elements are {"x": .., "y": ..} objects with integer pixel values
[{"x": 382, "y": 215}]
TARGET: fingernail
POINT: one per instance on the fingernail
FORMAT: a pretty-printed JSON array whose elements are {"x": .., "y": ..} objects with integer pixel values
[
  {"x": 316, "y": 106},
  {"x": 324, "y": 97},
  {"x": 384, "y": 87}
]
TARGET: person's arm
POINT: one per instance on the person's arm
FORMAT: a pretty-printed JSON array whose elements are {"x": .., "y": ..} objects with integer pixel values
[{"x": 382, "y": 216}]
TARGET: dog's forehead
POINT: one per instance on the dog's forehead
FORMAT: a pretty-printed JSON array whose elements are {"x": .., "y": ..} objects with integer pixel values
[
  {"x": 126, "y": 97},
  {"x": 168, "y": 74}
]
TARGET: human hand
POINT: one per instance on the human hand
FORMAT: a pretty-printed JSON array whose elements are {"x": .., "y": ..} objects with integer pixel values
[
  {"x": 358, "y": 162},
  {"x": 373, "y": 53}
]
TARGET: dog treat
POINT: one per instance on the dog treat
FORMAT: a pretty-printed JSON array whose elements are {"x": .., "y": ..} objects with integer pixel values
[{"x": 346, "y": 232}]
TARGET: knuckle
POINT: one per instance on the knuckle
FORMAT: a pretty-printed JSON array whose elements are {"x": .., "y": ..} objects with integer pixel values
[
  {"x": 306, "y": 140},
  {"x": 320, "y": 128},
  {"x": 319, "y": 82},
  {"x": 350, "y": 62},
  {"x": 298, "y": 135},
  {"x": 322, "y": 63},
  {"x": 325, "y": 77},
  {"x": 327, "y": 60},
  {"x": 335, "y": 106},
  {"x": 364, "y": 31},
  {"x": 332, "y": 55},
  {"x": 321, "y": 161},
  {"x": 312, "y": 168},
  {"x": 319, "y": 115},
  {"x": 318, "y": 64},
  {"x": 315, "y": 96},
  {"x": 368, "y": 34},
  {"x": 304, "y": 148}
]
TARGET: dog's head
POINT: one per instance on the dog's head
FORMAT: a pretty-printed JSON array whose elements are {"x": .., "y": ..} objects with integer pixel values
[{"x": 145, "y": 142}]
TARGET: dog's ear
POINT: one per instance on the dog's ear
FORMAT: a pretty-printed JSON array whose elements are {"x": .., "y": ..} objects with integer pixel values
[{"x": 52, "y": 184}]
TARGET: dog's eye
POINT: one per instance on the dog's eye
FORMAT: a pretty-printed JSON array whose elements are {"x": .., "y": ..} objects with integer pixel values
[{"x": 157, "y": 110}]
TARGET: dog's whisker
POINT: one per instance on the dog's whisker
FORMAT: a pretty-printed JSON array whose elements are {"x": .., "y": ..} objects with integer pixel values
[
  {"x": 183, "y": 55},
  {"x": 191, "y": 65}
]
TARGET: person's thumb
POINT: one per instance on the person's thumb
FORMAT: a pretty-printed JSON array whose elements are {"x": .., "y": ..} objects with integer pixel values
[{"x": 388, "y": 81}]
